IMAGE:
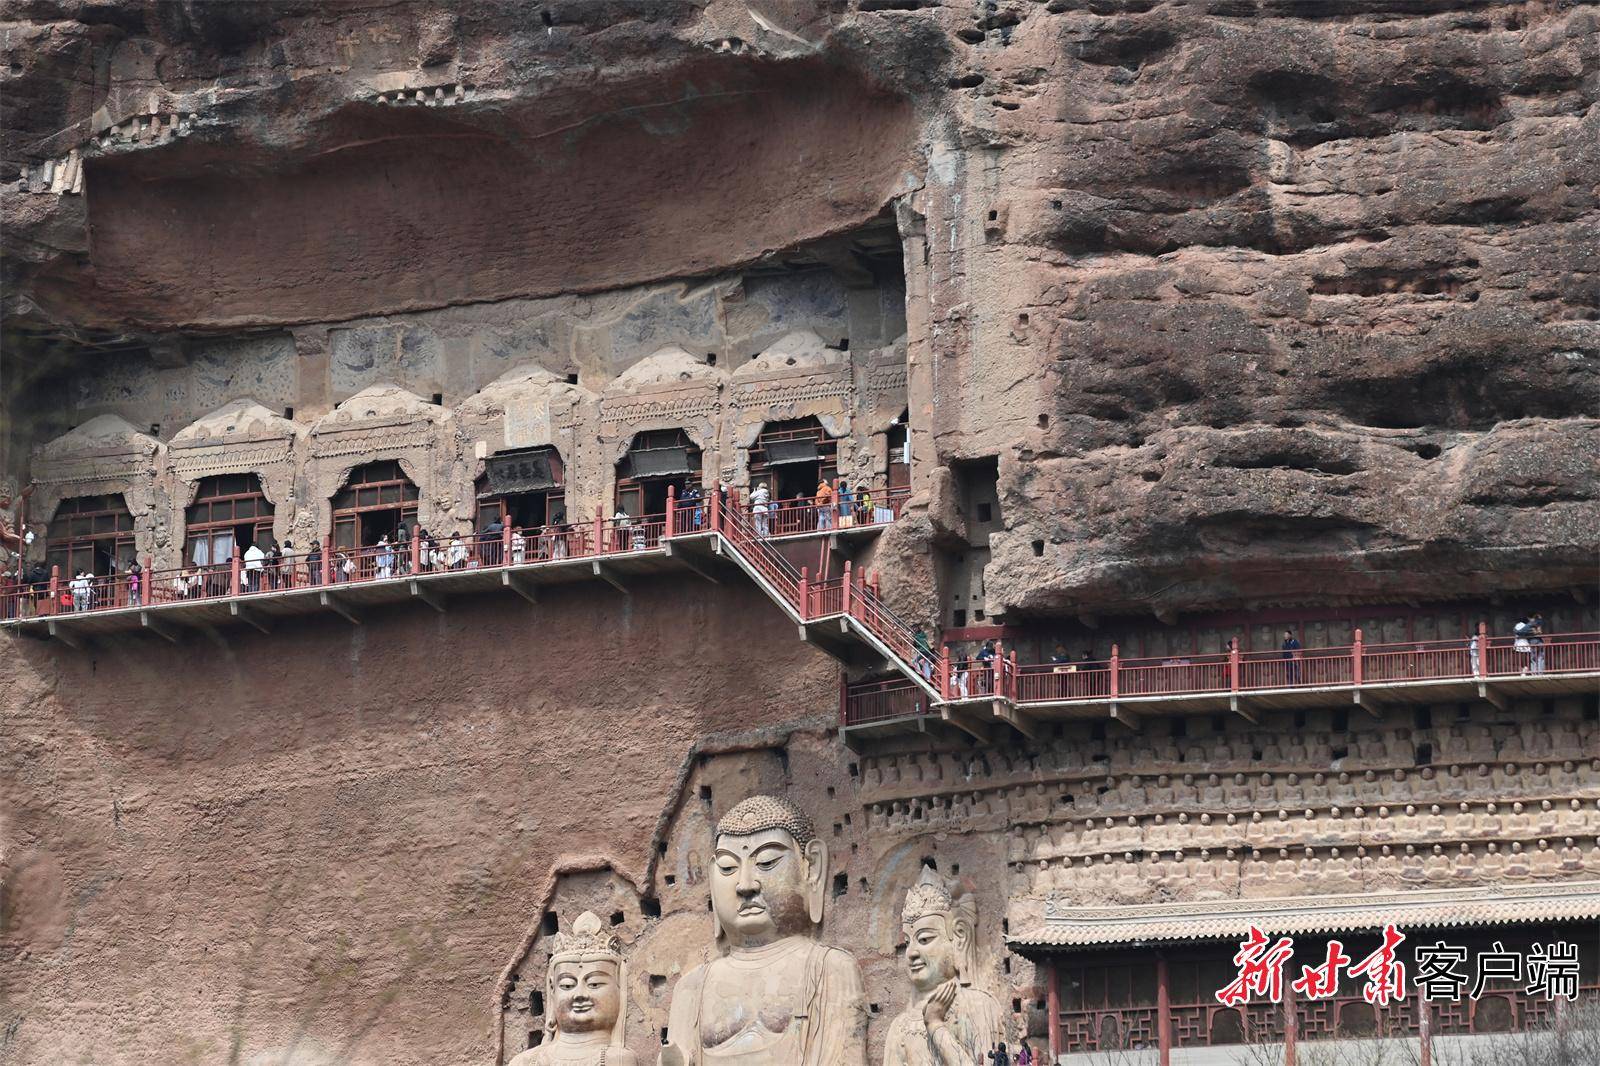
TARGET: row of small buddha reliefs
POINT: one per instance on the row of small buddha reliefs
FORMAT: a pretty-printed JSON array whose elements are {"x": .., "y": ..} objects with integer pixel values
[
  {"x": 776, "y": 995},
  {"x": 1233, "y": 873},
  {"x": 1378, "y": 750},
  {"x": 1501, "y": 788}
]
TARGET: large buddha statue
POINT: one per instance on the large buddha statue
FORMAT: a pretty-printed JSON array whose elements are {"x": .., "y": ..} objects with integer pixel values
[
  {"x": 776, "y": 997},
  {"x": 584, "y": 997},
  {"x": 947, "y": 1022}
]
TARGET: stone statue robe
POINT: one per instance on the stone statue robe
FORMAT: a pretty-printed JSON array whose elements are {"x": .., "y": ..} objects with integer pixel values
[
  {"x": 975, "y": 1019},
  {"x": 792, "y": 1003}
]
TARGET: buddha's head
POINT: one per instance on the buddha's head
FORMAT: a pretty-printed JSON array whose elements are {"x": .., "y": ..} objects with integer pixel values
[
  {"x": 940, "y": 922},
  {"x": 768, "y": 873},
  {"x": 583, "y": 987}
]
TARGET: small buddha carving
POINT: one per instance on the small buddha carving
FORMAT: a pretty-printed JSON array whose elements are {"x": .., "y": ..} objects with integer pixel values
[
  {"x": 584, "y": 996},
  {"x": 778, "y": 997}
]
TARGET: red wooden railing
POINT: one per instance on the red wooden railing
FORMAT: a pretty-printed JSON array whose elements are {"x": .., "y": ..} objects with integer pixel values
[
  {"x": 1342, "y": 666},
  {"x": 875, "y": 701}
]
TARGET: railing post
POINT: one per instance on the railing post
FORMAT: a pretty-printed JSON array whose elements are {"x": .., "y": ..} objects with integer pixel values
[
  {"x": 1116, "y": 666},
  {"x": 327, "y": 560},
  {"x": 1483, "y": 649},
  {"x": 1011, "y": 682},
  {"x": 1425, "y": 1031},
  {"x": 416, "y": 549},
  {"x": 805, "y": 591},
  {"x": 505, "y": 542},
  {"x": 945, "y": 668},
  {"x": 848, "y": 580},
  {"x": 234, "y": 566},
  {"x": 1355, "y": 659},
  {"x": 599, "y": 529},
  {"x": 672, "y": 508},
  {"x": 716, "y": 509},
  {"x": 55, "y": 589},
  {"x": 1233, "y": 665}
]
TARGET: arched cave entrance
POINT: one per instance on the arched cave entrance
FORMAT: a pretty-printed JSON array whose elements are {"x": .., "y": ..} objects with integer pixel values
[
  {"x": 229, "y": 513},
  {"x": 525, "y": 489},
  {"x": 89, "y": 533},
  {"x": 375, "y": 499},
  {"x": 791, "y": 457},
  {"x": 658, "y": 459}
]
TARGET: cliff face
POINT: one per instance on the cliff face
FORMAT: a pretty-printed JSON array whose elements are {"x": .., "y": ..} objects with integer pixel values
[
  {"x": 1245, "y": 302},
  {"x": 1252, "y": 301}
]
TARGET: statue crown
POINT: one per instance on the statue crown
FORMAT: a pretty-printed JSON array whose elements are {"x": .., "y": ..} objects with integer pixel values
[
  {"x": 930, "y": 895},
  {"x": 588, "y": 939}
]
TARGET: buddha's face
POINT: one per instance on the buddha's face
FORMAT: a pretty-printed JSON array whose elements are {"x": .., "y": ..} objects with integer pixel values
[
  {"x": 932, "y": 952},
  {"x": 588, "y": 996},
  {"x": 758, "y": 887}
]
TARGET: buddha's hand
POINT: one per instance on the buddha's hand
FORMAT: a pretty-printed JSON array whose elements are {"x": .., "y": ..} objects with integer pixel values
[
  {"x": 938, "y": 1004},
  {"x": 672, "y": 1055}
]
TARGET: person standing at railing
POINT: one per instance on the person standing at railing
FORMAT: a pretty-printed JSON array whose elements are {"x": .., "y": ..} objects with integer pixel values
[
  {"x": 344, "y": 568},
  {"x": 385, "y": 558},
  {"x": 81, "y": 590},
  {"x": 986, "y": 659},
  {"x": 286, "y": 564},
  {"x": 824, "y": 504},
  {"x": 924, "y": 646},
  {"x": 254, "y": 560},
  {"x": 314, "y": 564},
  {"x": 760, "y": 498},
  {"x": 457, "y": 556},
  {"x": 691, "y": 499},
  {"x": 1528, "y": 643},
  {"x": 135, "y": 584},
  {"x": 1291, "y": 652},
  {"x": 489, "y": 542},
  {"x": 846, "y": 501},
  {"x": 402, "y": 547},
  {"x": 558, "y": 545},
  {"x": 519, "y": 548}
]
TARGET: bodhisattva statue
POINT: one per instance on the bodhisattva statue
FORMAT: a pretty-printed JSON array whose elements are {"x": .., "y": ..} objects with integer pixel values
[
  {"x": 777, "y": 997},
  {"x": 584, "y": 1001},
  {"x": 947, "y": 1023}
]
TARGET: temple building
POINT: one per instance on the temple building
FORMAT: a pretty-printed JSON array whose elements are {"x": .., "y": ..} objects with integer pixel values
[{"x": 722, "y": 534}]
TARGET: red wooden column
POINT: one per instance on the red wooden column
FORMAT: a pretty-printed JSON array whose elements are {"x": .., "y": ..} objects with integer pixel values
[
  {"x": 672, "y": 508},
  {"x": 327, "y": 560},
  {"x": 1355, "y": 662},
  {"x": 1053, "y": 1007},
  {"x": 849, "y": 578},
  {"x": 416, "y": 549},
  {"x": 1116, "y": 666},
  {"x": 1012, "y": 683},
  {"x": 805, "y": 593},
  {"x": 505, "y": 542},
  {"x": 55, "y": 589},
  {"x": 599, "y": 529},
  {"x": 234, "y": 565},
  {"x": 1233, "y": 665},
  {"x": 1163, "y": 1012},
  {"x": 1291, "y": 1023},
  {"x": 944, "y": 673},
  {"x": 1483, "y": 649},
  {"x": 1425, "y": 1031},
  {"x": 714, "y": 503}
]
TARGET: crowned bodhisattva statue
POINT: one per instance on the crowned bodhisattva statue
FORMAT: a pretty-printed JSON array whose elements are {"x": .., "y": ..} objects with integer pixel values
[
  {"x": 947, "y": 1023},
  {"x": 585, "y": 1012},
  {"x": 777, "y": 997}
]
